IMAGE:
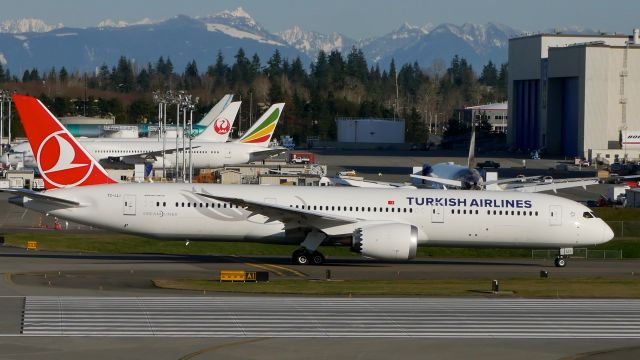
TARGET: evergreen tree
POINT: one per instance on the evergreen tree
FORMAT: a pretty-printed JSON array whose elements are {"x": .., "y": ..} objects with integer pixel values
[
  {"x": 357, "y": 64},
  {"x": 3, "y": 77},
  {"x": 489, "y": 75},
  {"x": 274, "y": 64},
  {"x": 63, "y": 75},
  {"x": 144, "y": 80},
  {"x": 296, "y": 73},
  {"x": 191, "y": 76},
  {"x": 123, "y": 78}
]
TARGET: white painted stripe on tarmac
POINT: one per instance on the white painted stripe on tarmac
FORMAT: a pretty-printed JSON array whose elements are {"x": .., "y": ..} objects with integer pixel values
[{"x": 331, "y": 317}]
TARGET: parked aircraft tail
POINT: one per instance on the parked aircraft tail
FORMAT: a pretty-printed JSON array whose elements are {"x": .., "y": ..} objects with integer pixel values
[
  {"x": 220, "y": 129},
  {"x": 61, "y": 160},
  {"x": 261, "y": 132},
  {"x": 216, "y": 110}
]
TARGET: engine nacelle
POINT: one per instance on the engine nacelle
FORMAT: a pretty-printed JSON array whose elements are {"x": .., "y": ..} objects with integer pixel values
[{"x": 386, "y": 241}]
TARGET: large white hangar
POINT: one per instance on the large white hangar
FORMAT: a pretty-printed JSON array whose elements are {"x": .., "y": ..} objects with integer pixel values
[
  {"x": 370, "y": 130},
  {"x": 574, "y": 95}
]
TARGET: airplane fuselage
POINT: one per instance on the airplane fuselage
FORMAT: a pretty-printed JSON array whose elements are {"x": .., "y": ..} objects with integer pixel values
[
  {"x": 443, "y": 218},
  {"x": 205, "y": 154}
]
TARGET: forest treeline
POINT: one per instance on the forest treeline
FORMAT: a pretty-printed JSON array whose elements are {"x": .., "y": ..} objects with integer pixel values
[{"x": 334, "y": 85}]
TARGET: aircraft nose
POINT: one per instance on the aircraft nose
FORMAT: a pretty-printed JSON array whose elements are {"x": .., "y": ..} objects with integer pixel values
[{"x": 607, "y": 233}]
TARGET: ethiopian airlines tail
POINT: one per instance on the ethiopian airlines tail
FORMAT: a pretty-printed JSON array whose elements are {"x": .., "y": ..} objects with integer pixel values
[
  {"x": 220, "y": 128},
  {"x": 61, "y": 160},
  {"x": 261, "y": 132},
  {"x": 216, "y": 110}
]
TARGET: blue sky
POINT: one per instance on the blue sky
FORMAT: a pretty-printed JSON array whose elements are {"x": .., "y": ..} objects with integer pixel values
[{"x": 354, "y": 18}]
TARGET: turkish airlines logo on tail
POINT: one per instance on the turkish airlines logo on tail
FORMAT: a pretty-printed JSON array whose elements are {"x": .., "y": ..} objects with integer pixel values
[
  {"x": 221, "y": 126},
  {"x": 61, "y": 163}
]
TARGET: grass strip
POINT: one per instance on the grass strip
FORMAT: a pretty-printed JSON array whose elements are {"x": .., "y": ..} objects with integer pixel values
[
  {"x": 539, "y": 288},
  {"x": 127, "y": 244}
]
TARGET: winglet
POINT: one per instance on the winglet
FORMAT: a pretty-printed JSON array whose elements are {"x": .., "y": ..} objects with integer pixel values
[
  {"x": 219, "y": 129},
  {"x": 261, "y": 132},
  {"x": 61, "y": 160}
]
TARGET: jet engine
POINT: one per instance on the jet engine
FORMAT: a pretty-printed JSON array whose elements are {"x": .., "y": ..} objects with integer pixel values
[{"x": 386, "y": 241}]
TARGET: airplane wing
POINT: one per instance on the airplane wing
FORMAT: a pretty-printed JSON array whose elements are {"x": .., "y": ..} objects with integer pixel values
[
  {"x": 554, "y": 186},
  {"x": 344, "y": 180},
  {"x": 446, "y": 182},
  {"x": 510, "y": 180},
  {"x": 43, "y": 197},
  {"x": 263, "y": 154},
  {"x": 288, "y": 215}
]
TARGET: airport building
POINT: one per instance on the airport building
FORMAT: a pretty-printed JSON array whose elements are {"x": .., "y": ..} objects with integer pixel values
[
  {"x": 495, "y": 114},
  {"x": 370, "y": 130},
  {"x": 574, "y": 95}
]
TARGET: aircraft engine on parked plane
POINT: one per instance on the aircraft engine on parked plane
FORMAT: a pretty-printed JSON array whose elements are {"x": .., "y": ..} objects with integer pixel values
[{"x": 391, "y": 241}]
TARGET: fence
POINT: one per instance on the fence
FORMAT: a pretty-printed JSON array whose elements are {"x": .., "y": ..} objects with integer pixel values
[
  {"x": 625, "y": 229},
  {"x": 578, "y": 253}
]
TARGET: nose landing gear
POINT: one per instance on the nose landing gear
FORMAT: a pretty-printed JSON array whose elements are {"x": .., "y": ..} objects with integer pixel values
[{"x": 560, "y": 261}]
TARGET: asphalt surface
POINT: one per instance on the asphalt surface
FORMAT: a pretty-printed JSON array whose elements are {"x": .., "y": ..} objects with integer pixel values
[
  {"x": 53, "y": 294},
  {"x": 47, "y": 294}
]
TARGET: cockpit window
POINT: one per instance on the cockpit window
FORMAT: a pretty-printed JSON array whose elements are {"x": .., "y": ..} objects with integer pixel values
[{"x": 588, "y": 215}]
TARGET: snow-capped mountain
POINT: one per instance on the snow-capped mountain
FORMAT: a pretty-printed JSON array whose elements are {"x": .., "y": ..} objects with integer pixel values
[
  {"x": 29, "y": 43},
  {"x": 476, "y": 43},
  {"x": 239, "y": 24},
  {"x": 107, "y": 23},
  {"x": 384, "y": 46},
  {"x": 181, "y": 38},
  {"x": 311, "y": 42},
  {"x": 26, "y": 25}
]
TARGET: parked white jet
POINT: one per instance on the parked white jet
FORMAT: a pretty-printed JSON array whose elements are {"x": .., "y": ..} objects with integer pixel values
[
  {"x": 378, "y": 223},
  {"x": 253, "y": 146}
]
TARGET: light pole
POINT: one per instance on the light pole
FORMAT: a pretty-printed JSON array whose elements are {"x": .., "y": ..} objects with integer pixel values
[{"x": 1, "y": 122}]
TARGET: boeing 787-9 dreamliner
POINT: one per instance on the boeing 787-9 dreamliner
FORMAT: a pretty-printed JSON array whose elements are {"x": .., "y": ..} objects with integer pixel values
[{"x": 385, "y": 224}]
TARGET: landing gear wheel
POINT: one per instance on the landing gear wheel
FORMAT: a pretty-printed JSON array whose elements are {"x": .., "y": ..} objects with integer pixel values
[
  {"x": 317, "y": 258},
  {"x": 560, "y": 262},
  {"x": 300, "y": 257}
]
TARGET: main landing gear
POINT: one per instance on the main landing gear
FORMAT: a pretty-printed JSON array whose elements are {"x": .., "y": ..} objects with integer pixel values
[
  {"x": 309, "y": 254},
  {"x": 304, "y": 257}
]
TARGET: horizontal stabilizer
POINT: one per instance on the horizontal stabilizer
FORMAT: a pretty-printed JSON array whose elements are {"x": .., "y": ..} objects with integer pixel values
[
  {"x": 42, "y": 197},
  {"x": 447, "y": 182}
]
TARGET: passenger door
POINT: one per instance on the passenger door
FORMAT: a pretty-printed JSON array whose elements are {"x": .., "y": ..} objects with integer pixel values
[
  {"x": 129, "y": 205},
  {"x": 555, "y": 215}
]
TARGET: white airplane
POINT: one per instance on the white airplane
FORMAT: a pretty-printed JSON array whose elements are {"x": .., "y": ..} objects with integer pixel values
[
  {"x": 377, "y": 223},
  {"x": 216, "y": 110},
  {"x": 205, "y": 153}
]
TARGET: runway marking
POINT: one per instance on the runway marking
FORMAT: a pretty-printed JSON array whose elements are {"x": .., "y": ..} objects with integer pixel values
[
  {"x": 277, "y": 269},
  {"x": 218, "y": 347},
  {"x": 287, "y": 316}
]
